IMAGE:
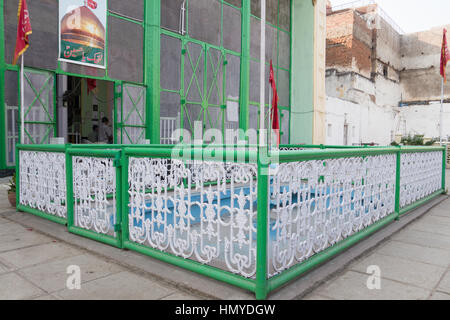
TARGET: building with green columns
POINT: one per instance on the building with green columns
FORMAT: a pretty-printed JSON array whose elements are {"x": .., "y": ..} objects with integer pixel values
[{"x": 167, "y": 64}]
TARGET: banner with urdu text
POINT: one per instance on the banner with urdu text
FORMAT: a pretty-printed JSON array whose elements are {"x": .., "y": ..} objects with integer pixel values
[{"x": 82, "y": 32}]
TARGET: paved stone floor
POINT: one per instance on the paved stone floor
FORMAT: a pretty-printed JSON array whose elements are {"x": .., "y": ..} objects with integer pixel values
[
  {"x": 34, "y": 266},
  {"x": 414, "y": 264}
]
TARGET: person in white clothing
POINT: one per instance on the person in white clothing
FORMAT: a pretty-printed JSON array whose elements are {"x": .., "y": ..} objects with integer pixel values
[{"x": 105, "y": 132}]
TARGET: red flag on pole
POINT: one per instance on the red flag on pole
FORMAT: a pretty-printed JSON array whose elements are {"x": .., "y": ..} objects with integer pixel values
[
  {"x": 445, "y": 56},
  {"x": 275, "y": 119},
  {"x": 23, "y": 30}
]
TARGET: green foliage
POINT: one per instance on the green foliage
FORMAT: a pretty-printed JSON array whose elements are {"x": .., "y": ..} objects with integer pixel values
[
  {"x": 412, "y": 141},
  {"x": 12, "y": 184},
  {"x": 430, "y": 143},
  {"x": 416, "y": 140}
]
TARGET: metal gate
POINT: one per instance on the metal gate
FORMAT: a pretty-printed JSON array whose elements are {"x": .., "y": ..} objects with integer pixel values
[{"x": 39, "y": 106}]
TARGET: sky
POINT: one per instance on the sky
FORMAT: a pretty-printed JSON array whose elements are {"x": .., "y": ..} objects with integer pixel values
[{"x": 414, "y": 15}]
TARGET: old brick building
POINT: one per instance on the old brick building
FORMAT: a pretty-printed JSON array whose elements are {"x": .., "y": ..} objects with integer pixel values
[{"x": 378, "y": 78}]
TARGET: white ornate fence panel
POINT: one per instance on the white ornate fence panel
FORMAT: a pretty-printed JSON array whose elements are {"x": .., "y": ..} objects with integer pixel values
[
  {"x": 42, "y": 182},
  {"x": 421, "y": 176},
  {"x": 315, "y": 204},
  {"x": 204, "y": 211},
  {"x": 94, "y": 193}
]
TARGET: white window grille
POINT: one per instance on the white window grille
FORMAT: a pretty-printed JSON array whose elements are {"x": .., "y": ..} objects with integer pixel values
[{"x": 12, "y": 134}]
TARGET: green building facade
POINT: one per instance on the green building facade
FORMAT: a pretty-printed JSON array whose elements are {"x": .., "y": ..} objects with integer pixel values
[{"x": 169, "y": 64}]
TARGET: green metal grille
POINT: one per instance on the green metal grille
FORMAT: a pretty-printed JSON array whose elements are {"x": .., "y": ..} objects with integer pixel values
[
  {"x": 278, "y": 37},
  {"x": 132, "y": 125},
  {"x": 210, "y": 72},
  {"x": 39, "y": 106}
]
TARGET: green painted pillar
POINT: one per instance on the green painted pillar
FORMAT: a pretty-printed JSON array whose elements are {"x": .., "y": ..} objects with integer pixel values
[
  {"x": 152, "y": 61},
  {"x": 302, "y": 75},
  {"x": 444, "y": 167},
  {"x": 3, "y": 127},
  {"x": 398, "y": 183},
  {"x": 261, "y": 289},
  {"x": 245, "y": 67}
]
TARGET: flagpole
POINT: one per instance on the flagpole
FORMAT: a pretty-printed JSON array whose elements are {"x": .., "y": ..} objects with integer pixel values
[
  {"x": 269, "y": 129},
  {"x": 22, "y": 104},
  {"x": 441, "y": 126},
  {"x": 262, "y": 71}
]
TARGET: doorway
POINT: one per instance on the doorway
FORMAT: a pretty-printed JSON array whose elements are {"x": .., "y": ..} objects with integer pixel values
[
  {"x": 346, "y": 135},
  {"x": 86, "y": 110}
]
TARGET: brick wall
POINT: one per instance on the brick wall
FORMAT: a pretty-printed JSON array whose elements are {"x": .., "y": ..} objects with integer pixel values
[
  {"x": 349, "y": 43},
  {"x": 339, "y": 40}
]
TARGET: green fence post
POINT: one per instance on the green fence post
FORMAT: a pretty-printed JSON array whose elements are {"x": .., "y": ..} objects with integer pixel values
[
  {"x": 118, "y": 224},
  {"x": 261, "y": 230},
  {"x": 3, "y": 126},
  {"x": 398, "y": 182},
  {"x": 244, "y": 95},
  {"x": 17, "y": 177},
  {"x": 125, "y": 197},
  {"x": 444, "y": 167},
  {"x": 152, "y": 70},
  {"x": 69, "y": 189}
]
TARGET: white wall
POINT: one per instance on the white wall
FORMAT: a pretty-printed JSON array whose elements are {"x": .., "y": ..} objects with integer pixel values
[
  {"x": 388, "y": 92},
  {"x": 425, "y": 119},
  {"x": 367, "y": 123}
]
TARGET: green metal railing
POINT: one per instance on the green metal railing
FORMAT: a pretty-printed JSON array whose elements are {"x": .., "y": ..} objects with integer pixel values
[
  {"x": 261, "y": 283},
  {"x": 115, "y": 155}
]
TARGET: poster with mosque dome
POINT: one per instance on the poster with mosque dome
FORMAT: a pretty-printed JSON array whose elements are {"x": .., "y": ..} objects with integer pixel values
[{"x": 82, "y": 32}]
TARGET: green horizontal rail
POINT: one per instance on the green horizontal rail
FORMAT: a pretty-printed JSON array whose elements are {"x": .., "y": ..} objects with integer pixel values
[
  {"x": 194, "y": 266},
  {"x": 100, "y": 153},
  {"x": 41, "y": 214},
  {"x": 42, "y": 147},
  {"x": 162, "y": 146},
  {"x": 95, "y": 236},
  {"x": 421, "y": 202},
  {"x": 321, "y": 146},
  {"x": 304, "y": 155},
  {"x": 421, "y": 149},
  {"x": 212, "y": 154},
  {"x": 329, "y": 253}
]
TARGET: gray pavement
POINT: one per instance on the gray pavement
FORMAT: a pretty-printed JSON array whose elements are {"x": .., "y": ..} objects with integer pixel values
[
  {"x": 33, "y": 265},
  {"x": 413, "y": 264},
  {"x": 413, "y": 256}
]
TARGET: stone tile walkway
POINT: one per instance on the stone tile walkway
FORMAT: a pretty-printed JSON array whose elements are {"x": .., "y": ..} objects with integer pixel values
[
  {"x": 413, "y": 264},
  {"x": 34, "y": 266}
]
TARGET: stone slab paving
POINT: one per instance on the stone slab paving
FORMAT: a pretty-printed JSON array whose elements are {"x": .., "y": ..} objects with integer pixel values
[
  {"x": 348, "y": 287},
  {"x": 444, "y": 285},
  {"x": 120, "y": 286},
  {"x": 414, "y": 264},
  {"x": 14, "y": 287},
  {"x": 34, "y": 266},
  {"x": 440, "y": 296},
  {"x": 28, "y": 257}
]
